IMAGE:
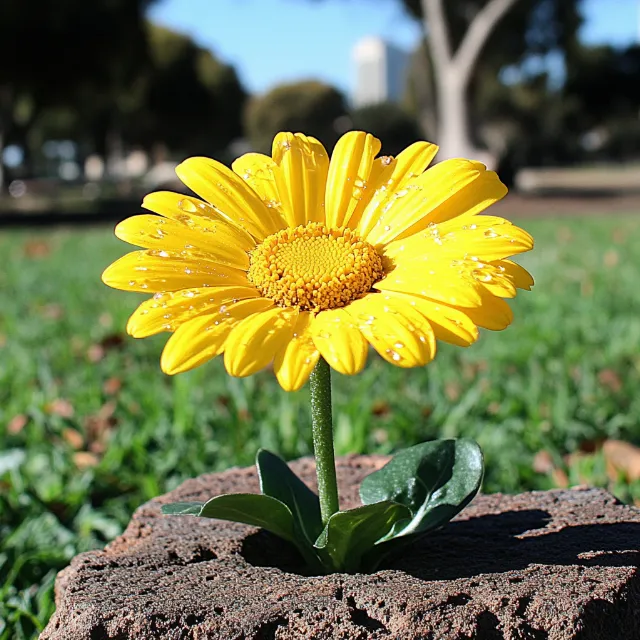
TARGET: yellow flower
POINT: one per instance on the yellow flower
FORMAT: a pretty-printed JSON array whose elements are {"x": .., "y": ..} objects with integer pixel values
[{"x": 296, "y": 256}]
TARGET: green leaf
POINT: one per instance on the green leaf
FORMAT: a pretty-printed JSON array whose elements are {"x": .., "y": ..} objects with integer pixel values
[
  {"x": 182, "y": 508},
  {"x": 254, "y": 509},
  {"x": 435, "y": 480},
  {"x": 278, "y": 481},
  {"x": 350, "y": 534}
]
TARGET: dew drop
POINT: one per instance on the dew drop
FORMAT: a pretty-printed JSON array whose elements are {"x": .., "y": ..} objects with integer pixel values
[{"x": 187, "y": 206}]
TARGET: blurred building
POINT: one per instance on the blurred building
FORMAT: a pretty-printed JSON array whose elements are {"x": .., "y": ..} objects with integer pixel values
[{"x": 380, "y": 72}]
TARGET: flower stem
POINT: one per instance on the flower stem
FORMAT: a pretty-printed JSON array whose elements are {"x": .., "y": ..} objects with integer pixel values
[{"x": 322, "y": 429}]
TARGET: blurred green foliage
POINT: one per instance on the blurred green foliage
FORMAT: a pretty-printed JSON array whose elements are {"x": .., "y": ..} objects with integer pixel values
[
  {"x": 311, "y": 107},
  {"x": 391, "y": 123},
  {"x": 90, "y": 428}
]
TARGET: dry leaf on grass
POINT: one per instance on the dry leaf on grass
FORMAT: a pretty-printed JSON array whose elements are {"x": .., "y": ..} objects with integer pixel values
[
  {"x": 17, "y": 424},
  {"x": 60, "y": 407},
  {"x": 622, "y": 458}
]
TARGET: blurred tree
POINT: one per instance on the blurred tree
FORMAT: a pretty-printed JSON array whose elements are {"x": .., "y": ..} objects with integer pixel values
[
  {"x": 189, "y": 101},
  {"x": 465, "y": 38},
  {"x": 311, "y": 107},
  {"x": 603, "y": 91},
  {"x": 55, "y": 49},
  {"x": 393, "y": 124}
]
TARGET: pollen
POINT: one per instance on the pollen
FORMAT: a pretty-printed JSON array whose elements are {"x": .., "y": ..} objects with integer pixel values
[{"x": 314, "y": 268}]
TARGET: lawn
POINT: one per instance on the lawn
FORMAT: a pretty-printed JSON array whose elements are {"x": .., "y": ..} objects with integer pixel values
[{"x": 90, "y": 428}]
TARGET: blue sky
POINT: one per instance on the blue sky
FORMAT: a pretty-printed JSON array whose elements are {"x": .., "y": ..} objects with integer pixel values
[{"x": 274, "y": 41}]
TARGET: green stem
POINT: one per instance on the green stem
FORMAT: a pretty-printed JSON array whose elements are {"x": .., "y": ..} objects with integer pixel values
[{"x": 322, "y": 429}]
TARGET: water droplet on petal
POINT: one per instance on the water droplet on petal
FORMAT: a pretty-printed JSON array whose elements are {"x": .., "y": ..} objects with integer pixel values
[{"x": 187, "y": 206}]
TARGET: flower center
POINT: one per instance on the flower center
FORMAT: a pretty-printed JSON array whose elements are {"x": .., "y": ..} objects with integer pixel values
[{"x": 314, "y": 268}]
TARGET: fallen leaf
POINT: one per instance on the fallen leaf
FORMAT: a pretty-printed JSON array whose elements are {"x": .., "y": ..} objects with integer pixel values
[
  {"x": 17, "y": 424},
  {"x": 106, "y": 320},
  {"x": 36, "y": 249},
  {"x": 591, "y": 446},
  {"x": 97, "y": 352},
  {"x": 494, "y": 408},
  {"x": 112, "y": 341},
  {"x": 586, "y": 288},
  {"x": 622, "y": 458},
  {"x": 380, "y": 436},
  {"x": 99, "y": 425},
  {"x": 564, "y": 235},
  {"x": 543, "y": 462},
  {"x": 380, "y": 408},
  {"x": 73, "y": 437},
  {"x": 85, "y": 460},
  {"x": 112, "y": 386},
  {"x": 610, "y": 379},
  {"x": 52, "y": 311},
  {"x": 452, "y": 390},
  {"x": 60, "y": 407},
  {"x": 618, "y": 236},
  {"x": 560, "y": 478},
  {"x": 611, "y": 258}
]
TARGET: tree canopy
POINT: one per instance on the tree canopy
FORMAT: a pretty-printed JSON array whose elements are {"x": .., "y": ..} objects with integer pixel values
[{"x": 309, "y": 106}]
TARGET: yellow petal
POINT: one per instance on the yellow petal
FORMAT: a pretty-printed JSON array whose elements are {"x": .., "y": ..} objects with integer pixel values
[
  {"x": 449, "y": 189},
  {"x": 301, "y": 176},
  {"x": 449, "y": 324},
  {"x": 450, "y": 282},
  {"x": 409, "y": 164},
  {"x": 294, "y": 363},
  {"x": 196, "y": 214},
  {"x": 258, "y": 171},
  {"x": 230, "y": 195},
  {"x": 166, "y": 311},
  {"x": 254, "y": 342},
  {"x": 204, "y": 337},
  {"x": 494, "y": 313},
  {"x": 349, "y": 171},
  {"x": 216, "y": 240},
  {"x": 488, "y": 240},
  {"x": 339, "y": 341},
  {"x": 155, "y": 271},
  {"x": 520, "y": 277},
  {"x": 380, "y": 172},
  {"x": 503, "y": 277},
  {"x": 399, "y": 333}
]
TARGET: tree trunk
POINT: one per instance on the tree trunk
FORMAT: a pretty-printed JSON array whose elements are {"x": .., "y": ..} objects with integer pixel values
[
  {"x": 454, "y": 137},
  {"x": 453, "y": 71}
]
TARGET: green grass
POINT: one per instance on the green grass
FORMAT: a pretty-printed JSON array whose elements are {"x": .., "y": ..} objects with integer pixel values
[{"x": 566, "y": 372}]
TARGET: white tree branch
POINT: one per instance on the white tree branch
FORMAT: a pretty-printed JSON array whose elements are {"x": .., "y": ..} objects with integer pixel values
[
  {"x": 435, "y": 25},
  {"x": 477, "y": 34}
]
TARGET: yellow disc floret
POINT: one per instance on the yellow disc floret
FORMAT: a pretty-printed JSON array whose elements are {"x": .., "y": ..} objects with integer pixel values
[{"x": 314, "y": 268}]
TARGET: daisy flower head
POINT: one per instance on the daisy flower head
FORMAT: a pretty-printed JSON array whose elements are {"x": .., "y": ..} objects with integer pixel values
[{"x": 295, "y": 256}]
